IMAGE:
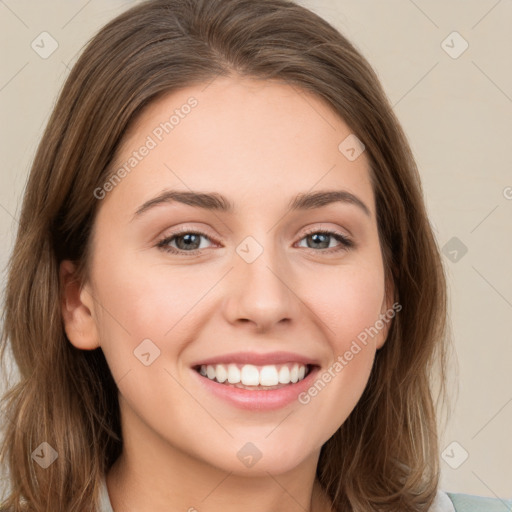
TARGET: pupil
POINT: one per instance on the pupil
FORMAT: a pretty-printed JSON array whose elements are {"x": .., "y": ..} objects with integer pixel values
[
  {"x": 315, "y": 237},
  {"x": 187, "y": 240}
]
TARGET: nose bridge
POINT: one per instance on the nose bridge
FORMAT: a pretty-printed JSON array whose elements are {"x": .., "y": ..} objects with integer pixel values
[{"x": 260, "y": 290}]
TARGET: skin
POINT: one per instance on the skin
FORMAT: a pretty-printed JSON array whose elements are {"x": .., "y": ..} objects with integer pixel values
[{"x": 247, "y": 140}]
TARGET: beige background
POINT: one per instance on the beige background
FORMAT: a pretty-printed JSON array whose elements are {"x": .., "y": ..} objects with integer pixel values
[{"x": 457, "y": 113}]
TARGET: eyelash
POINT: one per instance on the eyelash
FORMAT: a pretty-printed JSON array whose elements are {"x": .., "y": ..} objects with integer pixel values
[{"x": 345, "y": 242}]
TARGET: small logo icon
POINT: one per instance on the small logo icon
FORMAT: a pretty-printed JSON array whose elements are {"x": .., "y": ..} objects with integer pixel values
[
  {"x": 147, "y": 352},
  {"x": 351, "y": 147},
  {"x": 454, "y": 45},
  {"x": 44, "y": 455},
  {"x": 249, "y": 249},
  {"x": 454, "y": 249},
  {"x": 44, "y": 45},
  {"x": 455, "y": 455},
  {"x": 249, "y": 454}
]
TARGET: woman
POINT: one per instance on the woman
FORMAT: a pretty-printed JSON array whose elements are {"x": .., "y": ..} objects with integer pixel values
[{"x": 225, "y": 291}]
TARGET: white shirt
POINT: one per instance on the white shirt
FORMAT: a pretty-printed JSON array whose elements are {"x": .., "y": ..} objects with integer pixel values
[{"x": 442, "y": 503}]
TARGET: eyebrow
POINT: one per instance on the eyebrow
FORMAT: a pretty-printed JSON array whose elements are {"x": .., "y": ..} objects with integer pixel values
[{"x": 217, "y": 202}]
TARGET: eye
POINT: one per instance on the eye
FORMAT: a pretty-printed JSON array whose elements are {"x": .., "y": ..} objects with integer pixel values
[
  {"x": 320, "y": 240},
  {"x": 188, "y": 241}
]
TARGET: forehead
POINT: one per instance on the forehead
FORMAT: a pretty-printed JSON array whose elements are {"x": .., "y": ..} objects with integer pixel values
[{"x": 248, "y": 138}]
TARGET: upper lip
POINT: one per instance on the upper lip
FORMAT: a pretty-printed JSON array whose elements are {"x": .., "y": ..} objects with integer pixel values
[{"x": 258, "y": 359}]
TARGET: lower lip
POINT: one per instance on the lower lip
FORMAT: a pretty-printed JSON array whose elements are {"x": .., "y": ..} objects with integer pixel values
[{"x": 261, "y": 400}]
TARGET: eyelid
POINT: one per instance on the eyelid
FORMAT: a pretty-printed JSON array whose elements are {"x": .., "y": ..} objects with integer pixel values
[
  {"x": 346, "y": 242},
  {"x": 336, "y": 231},
  {"x": 180, "y": 231}
]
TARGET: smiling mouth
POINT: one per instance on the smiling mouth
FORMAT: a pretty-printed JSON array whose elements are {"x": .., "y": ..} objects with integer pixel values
[{"x": 251, "y": 377}]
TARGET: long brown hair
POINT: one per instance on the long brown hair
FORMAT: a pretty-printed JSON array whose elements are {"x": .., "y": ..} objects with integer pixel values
[{"x": 385, "y": 455}]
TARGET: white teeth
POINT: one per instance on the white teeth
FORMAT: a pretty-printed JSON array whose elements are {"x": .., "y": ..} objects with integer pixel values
[
  {"x": 233, "y": 374},
  {"x": 221, "y": 373},
  {"x": 284, "y": 375},
  {"x": 210, "y": 372},
  {"x": 294, "y": 373},
  {"x": 251, "y": 375},
  {"x": 268, "y": 376}
]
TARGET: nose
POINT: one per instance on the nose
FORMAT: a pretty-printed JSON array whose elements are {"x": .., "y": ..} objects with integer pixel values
[{"x": 262, "y": 293}]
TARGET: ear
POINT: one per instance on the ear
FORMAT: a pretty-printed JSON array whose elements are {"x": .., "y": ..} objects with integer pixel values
[
  {"x": 77, "y": 309},
  {"x": 388, "y": 311}
]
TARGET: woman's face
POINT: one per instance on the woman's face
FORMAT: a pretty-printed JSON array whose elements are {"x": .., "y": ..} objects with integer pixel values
[{"x": 176, "y": 283}]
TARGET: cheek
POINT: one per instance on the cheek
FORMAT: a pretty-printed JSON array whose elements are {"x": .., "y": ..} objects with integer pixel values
[
  {"x": 349, "y": 305},
  {"x": 348, "y": 302},
  {"x": 349, "y": 311},
  {"x": 149, "y": 301}
]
